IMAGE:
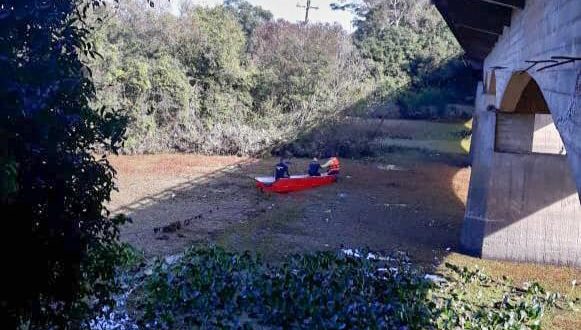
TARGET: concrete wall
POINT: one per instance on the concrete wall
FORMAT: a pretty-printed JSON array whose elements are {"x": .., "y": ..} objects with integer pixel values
[
  {"x": 543, "y": 29},
  {"x": 522, "y": 205},
  {"x": 514, "y": 132},
  {"x": 527, "y": 133},
  {"x": 533, "y": 211},
  {"x": 546, "y": 137},
  {"x": 525, "y": 205},
  {"x": 481, "y": 149}
]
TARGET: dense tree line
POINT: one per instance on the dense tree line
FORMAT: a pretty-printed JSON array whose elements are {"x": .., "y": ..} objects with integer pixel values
[
  {"x": 231, "y": 80},
  {"x": 416, "y": 61},
  {"x": 218, "y": 80}
]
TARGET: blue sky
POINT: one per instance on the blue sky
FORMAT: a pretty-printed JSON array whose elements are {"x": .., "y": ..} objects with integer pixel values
[{"x": 287, "y": 9}]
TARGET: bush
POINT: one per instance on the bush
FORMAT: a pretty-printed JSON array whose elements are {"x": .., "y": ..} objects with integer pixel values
[
  {"x": 413, "y": 55},
  {"x": 222, "y": 80},
  {"x": 211, "y": 288},
  {"x": 54, "y": 182},
  {"x": 428, "y": 103}
]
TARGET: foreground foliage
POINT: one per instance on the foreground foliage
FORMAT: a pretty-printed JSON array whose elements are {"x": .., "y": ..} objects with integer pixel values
[
  {"x": 60, "y": 244},
  {"x": 352, "y": 289}
]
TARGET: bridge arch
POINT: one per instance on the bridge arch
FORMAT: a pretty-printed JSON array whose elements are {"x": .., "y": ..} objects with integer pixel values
[
  {"x": 523, "y": 95},
  {"x": 524, "y": 123}
]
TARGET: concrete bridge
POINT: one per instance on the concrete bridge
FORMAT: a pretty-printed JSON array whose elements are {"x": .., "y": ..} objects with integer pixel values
[{"x": 524, "y": 202}]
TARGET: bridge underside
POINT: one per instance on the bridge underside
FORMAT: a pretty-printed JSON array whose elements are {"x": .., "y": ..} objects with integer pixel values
[{"x": 524, "y": 202}]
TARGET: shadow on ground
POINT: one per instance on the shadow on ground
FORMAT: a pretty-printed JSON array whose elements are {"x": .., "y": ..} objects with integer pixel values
[
  {"x": 406, "y": 200},
  {"x": 405, "y": 203}
]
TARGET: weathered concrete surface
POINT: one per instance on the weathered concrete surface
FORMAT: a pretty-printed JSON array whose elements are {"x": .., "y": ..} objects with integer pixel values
[
  {"x": 533, "y": 210},
  {"x": 482, "y": 147},
  {"x": 526, "y": 133},
  {"x": 546, "y": 137},
  {"x": 514, "y": 132},
  {"x": 524, "y": 201},
  {"x": 521, "y": 206},
  {"x": 544, "y": 29}
]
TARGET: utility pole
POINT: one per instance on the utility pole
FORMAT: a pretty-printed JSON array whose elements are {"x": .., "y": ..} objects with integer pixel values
[{"x": 308, "y": 7}]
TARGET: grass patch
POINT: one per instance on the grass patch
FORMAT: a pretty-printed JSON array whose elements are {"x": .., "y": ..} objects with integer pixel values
[
  {"x": 430, "y": 137},
  {"x": 430, "y": 146},
  {"x": 262, "y": 233},
  {"x": 564, "y": 280}
]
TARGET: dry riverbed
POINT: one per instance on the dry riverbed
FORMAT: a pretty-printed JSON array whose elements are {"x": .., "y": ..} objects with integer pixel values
[{"x": 395, "y": 203}]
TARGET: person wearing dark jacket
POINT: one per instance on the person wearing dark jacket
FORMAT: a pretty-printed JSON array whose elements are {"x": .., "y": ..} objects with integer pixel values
[
  {"x": 314, "y": 167},
  {"x": 281, "y": 170}
]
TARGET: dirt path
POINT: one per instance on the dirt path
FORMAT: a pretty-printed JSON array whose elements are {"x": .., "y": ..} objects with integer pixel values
[{"x": 403, "y": 204}]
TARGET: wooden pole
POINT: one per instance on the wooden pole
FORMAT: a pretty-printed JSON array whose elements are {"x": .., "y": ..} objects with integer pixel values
[{"x": 308, "y": 8}]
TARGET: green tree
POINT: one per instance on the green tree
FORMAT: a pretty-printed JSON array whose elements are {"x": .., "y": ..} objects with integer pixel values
[
  {"x": 296, "y": 64},
  {"x": 249, "y": 16},
  {"x": 414, "y": 56},
  {"x": 53, "y": 183},
  {"x": 213, "y": 52}
]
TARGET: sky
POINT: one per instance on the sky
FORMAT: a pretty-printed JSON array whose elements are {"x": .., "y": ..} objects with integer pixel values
[{"x": 287, "y": 9}]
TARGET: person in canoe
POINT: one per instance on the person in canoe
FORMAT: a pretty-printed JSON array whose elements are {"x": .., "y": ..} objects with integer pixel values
[
  {"x": 333, "y": 165},
  {"x": 314, "y": 167},
  {"x": 281, "y": 170}
]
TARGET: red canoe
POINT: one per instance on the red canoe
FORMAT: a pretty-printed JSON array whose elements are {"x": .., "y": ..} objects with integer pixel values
[{"x": 294, "y": 183}]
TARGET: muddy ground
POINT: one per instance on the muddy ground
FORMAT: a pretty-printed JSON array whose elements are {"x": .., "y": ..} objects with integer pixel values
[
  {"x": 179, "y": 200},
  {"x": 411, "y": 197},
  {"x": 394, "y": 203}
]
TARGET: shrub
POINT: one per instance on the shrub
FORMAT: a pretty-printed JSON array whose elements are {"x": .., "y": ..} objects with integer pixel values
[
  {"x": 222, "y": 80},
  {"x": 54, "y": 182},
  {"x": 427, "y": 103},
  {"x": 211, "y": 288}
]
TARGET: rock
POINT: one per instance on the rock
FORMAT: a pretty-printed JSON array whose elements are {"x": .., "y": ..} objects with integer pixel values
[
  {"x": 434, "y": 278},
  {"x": 391, "y": 167},
  {"x": 172, "y": 259},
  {"x": 172, "y": 227}
]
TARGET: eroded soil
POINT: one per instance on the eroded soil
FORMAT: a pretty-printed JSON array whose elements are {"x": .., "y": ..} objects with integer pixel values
[{"x": 177, "y": 200}]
